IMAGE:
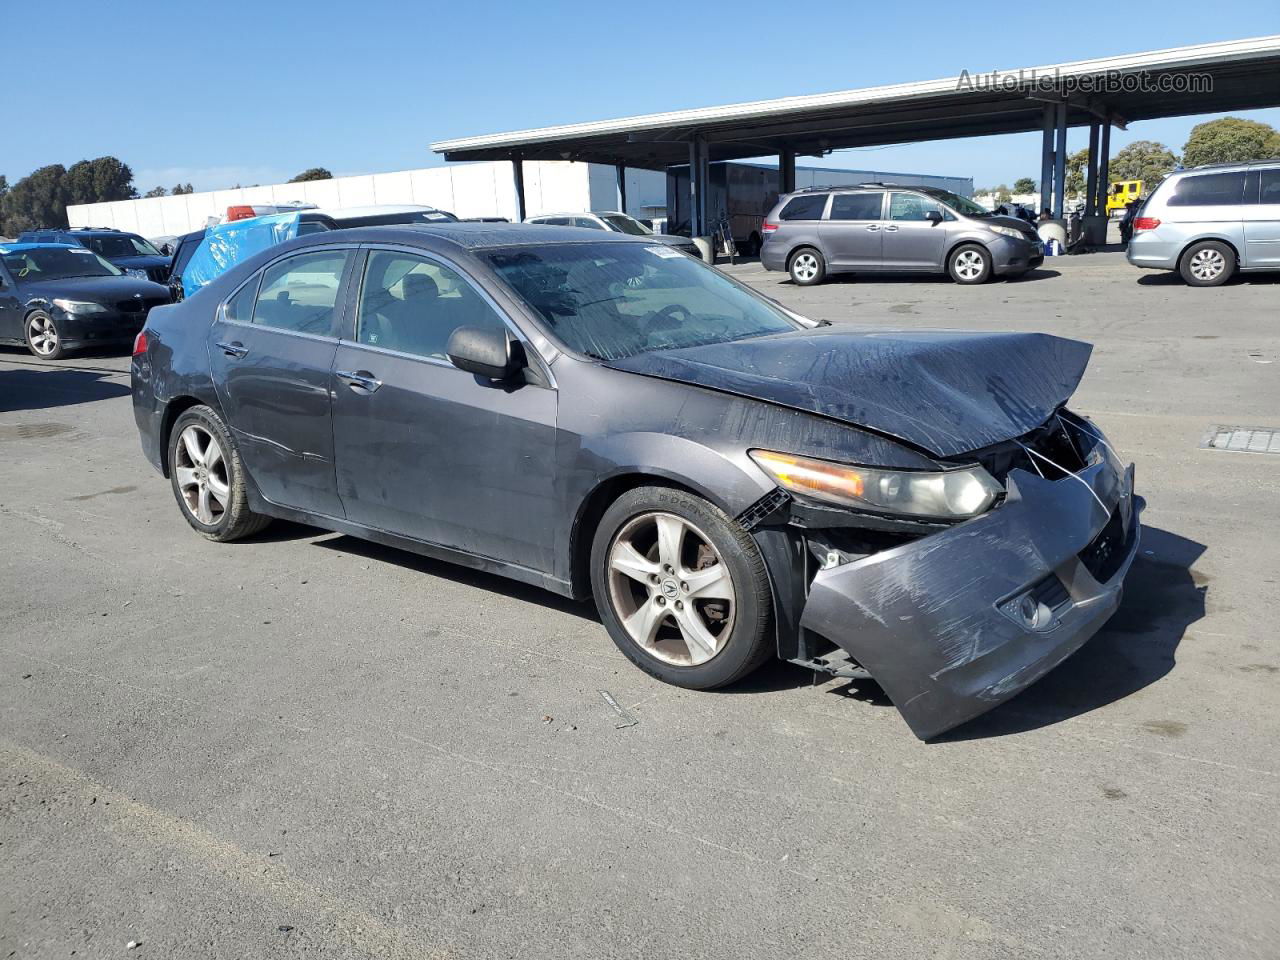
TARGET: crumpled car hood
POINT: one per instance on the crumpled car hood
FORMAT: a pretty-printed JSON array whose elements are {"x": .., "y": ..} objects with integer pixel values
[{"x": 945, "y": 392}]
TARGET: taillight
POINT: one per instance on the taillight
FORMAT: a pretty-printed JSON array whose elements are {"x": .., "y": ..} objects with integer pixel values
[
  {"x": 140, "y": 343},
  {"x": 1145, "y": 223},
  {"x": 239, "y": 213},
  {"x": 769, "y": 227}
]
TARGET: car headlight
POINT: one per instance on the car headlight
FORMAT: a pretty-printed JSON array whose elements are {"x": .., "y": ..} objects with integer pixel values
[
  {"x": 1007, "y": 231},
  {"x": 136, "y": 273},
  {"x": 80, "y": 307},
  {"x": 965, "y": 492}
]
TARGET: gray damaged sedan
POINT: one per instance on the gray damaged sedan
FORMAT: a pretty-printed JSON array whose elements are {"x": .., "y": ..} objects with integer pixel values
[{"x": 604, "y": 416}]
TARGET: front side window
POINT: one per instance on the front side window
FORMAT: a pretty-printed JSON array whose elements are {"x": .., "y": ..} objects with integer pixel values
[
  {"x": 614, "y": 300},
  {"x": 912, "y": 206},
  {"x": 300, "y": 293},
  {"x": 804, "y": 208},
  {"x": 588, "y": 223},
  {"x": 1209, "y": 189},
  {"x": 856, "y": 206},
  {"x": 413, "y": 305}
]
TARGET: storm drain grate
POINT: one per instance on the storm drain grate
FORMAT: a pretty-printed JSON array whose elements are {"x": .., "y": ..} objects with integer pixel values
[{"x": 1243, "y": 439}]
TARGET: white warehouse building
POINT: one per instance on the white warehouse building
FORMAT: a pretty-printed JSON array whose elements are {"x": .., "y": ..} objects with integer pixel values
[{"x": 485, "y": 189}]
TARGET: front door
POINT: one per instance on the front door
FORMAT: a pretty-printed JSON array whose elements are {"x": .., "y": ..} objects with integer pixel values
[
  {"x": 426, "y": 450},
  {"x": 852, "y": 233},
  {"x": 911, "y": 240},
  {"x": 1262, "y": 221},
  {"x": 271, "y": 351},
  {"x": 10, "y": 307}
]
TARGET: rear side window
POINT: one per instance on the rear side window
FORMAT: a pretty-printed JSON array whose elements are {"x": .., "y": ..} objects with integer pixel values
[
  {"x": 240, "y": 307},
  {"x": 804, "y": 208},
  {"x": 856, "y": 206},
  {"x": 1269, "y": 188},
  {"x": 300, "y": 293},
  {"x": 1209, "y": 189}
]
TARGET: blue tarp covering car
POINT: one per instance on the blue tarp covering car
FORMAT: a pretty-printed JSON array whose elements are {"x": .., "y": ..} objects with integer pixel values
[{"x": 230, "y": 243}]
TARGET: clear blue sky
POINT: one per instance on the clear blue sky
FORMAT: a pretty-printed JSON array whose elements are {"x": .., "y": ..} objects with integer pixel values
[{"x": 256, "y": 92}]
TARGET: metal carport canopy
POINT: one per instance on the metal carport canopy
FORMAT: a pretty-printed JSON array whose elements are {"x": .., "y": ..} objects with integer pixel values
[{"x": 1243, "y": 74}]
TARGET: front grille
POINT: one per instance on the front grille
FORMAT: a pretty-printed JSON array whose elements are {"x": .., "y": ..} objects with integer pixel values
[
  {"x": 140, "y": 304},
  {"x": 158, "y": 274},
  {"x": 1105, "y": 553}
]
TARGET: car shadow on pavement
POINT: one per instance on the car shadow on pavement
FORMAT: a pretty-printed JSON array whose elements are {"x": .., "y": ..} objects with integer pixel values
[
  {"x": 1171, "y": 278},
  {"x": 479, "y": 579},
  {"x": 46, "y": 387},
  {"x": 1163, "y": 596},
  {"x": 867, "y": 279}
]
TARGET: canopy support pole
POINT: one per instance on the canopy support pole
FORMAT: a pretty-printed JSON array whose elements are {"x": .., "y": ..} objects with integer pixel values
[{"x": 517, "y": 174}]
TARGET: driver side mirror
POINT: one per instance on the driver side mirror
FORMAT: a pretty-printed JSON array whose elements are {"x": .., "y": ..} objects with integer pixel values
[
  {"x": 494, "y": 354},
  {"x": 934, "y": 217}
]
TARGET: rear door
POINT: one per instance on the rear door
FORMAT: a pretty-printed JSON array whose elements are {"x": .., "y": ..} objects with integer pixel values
[
  {"x": 426, "y": 450},
  {"x": 911, "y": 240},
  {"x": 1262, "y": 220},
  {"x": 271, "y": 352},
  {"x": 852, "y": 234},
  {"x": 10, "y": 307}
]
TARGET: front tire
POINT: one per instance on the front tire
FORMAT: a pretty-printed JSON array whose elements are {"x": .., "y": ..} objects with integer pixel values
[
  {"x": 1207, "y": 264},
  {"x": 44, "y": 340},
  {"x": 208, "y": 478},
  {"x": 681, "y": 588},
  {"x": 807, "y": 267},
  {"x": 969, "y": 264}
]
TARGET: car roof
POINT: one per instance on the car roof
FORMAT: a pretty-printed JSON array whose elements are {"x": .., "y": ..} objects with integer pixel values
[
  {"x": 1227, "y": 167},
  {"x": 470, "y": 236},
  {"x": 15, "y": 247}
]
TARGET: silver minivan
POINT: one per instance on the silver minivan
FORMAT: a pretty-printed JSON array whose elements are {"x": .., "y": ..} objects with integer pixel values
[
  {"x": 884, "y": 227},
  {"x": 1209, "y": 222}
]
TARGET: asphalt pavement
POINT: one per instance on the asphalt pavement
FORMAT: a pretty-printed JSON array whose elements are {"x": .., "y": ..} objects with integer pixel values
[{"x": 307, "y": 745}]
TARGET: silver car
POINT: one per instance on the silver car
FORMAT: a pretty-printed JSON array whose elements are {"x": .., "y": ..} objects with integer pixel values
[
  {"x": 1209, "y": 222},
  {"x": 884, "y": 227},
  {"x": 616, "y": 222}
]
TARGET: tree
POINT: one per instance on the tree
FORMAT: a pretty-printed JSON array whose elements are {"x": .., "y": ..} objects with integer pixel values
[
  {"x": 1144, "y": 160},
  {"x": 37, "y": 200},
  {"x": 98, "y": 181},
  {"x": 315, "y": 173},
  {"x": 154, "y": 192},
  {"x": 179, "y": 189},
  {"x": 1230, "y": 140},
  {"x": 1001, "y": 193},
  {"x": 1024, "y": 185},
  {"x": 1075, "y": 178}
]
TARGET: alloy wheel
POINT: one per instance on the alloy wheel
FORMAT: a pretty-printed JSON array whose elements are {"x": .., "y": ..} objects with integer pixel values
[
  {"x": 42, "y": 335},
  {"x": 805, "y": 267},
  {"x": 969, "y": 264},
  {"x": 201, "y": 471},
  {"x": 671, "y": 590},
  {"x": 1207, "y": 264}
]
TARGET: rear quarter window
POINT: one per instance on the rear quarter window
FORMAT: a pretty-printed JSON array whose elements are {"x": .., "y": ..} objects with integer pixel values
[
  {"x": 804, "y": 208},
  {"x": 1208, "y": 190}
]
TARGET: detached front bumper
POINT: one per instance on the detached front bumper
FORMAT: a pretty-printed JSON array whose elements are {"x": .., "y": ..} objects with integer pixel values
[
  {"x": 80, "y": 330},
  {"x": 942, "y": 622}
]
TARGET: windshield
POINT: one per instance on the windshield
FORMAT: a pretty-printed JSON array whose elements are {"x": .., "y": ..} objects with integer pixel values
[
  {"x": 959, "y": 204},
  {"x": 624, "y": 224},
  {"x": 614, "y": 300},
  {"x": 57, "y": 263},
  {"x": 119, "y": 246}
]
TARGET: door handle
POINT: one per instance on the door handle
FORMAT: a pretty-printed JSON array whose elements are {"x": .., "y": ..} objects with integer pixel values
[
  {"x": 233, "y": 349},
  {"x": 872, "y": 228},
  {"x": 890, "y": 229},
  {"x": 359, "y": 380}
]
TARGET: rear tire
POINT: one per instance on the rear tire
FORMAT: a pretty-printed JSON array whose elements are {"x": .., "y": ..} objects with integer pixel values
[
  {"x": 208, "y": 478},
  {"x": 807, "y": 267},
  {"x": 969, "y": 264},
  {"x": 44, "y": 339},
  {"x": 1209, "y": 263},
  {"x": 681, "y": 588}
]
